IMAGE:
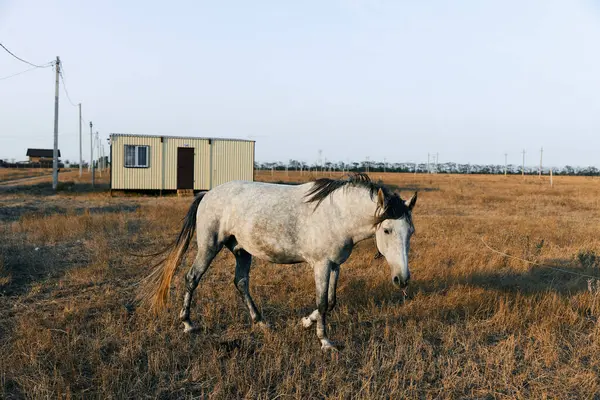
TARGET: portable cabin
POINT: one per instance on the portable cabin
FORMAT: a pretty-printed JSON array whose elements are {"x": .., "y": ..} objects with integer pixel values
[{"x": 165, "y": 163}]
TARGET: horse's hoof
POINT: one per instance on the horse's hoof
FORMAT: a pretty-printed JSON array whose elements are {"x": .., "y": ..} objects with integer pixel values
[
  {"x": 264, "y": 325},
  {"x": 327, "y": 346},
  {"x": 307, "y": 322},
  {"x": 189, "y": 328}
]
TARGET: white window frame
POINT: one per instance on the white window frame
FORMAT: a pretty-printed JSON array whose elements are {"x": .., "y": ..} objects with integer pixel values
[{"x": 137, "y": 163}]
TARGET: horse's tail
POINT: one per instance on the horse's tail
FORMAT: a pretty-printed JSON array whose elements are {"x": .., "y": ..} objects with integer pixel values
[{"x": 154, "y": 290}]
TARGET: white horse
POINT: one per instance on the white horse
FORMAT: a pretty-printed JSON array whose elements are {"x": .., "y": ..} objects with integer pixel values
[{"x": 318, "y": 222}]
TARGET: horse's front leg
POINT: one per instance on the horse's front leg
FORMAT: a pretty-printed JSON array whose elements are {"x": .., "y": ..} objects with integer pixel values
[
  {"x": 322, "y": 272},
  {"x": 333, "y": 278},
  {"x": 309, "y": 320}
]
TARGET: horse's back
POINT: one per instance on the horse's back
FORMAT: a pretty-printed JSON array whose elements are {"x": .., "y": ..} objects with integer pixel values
[
  {"x": 244, "y": 191},
  {"x": 264, "y": 218}
]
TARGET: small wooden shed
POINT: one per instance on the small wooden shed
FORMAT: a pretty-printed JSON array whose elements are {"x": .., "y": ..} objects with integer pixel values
[{"x": 145, "y": 162}]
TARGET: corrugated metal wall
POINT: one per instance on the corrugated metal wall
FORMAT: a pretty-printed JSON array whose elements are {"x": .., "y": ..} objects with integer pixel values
[
  {"x": 232, "y": 160},
  {"x": 135, "y": 178}
]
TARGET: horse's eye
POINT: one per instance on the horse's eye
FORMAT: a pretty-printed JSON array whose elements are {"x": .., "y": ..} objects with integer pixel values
[{"x": 386, "y": 231}]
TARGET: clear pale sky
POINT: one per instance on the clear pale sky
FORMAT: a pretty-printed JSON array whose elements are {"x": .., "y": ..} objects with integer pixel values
[{"x": 390, "y": 79}]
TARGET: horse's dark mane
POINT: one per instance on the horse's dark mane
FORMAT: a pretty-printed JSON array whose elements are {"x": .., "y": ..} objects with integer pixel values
[{"x": 393, "y": 207}]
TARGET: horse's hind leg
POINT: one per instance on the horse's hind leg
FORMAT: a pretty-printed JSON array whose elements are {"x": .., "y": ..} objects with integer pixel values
[
  {"x": 193, "y": 276},
  {"x": 243, "y": 261}
]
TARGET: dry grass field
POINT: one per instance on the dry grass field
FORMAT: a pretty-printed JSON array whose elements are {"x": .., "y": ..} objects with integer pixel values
[
  {"x": 8, "y": 174},
  {"x": 476, "y": 324}
]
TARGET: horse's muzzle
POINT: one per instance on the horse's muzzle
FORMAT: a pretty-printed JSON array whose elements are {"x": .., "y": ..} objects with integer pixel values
[{"x": 399, "y": 282}]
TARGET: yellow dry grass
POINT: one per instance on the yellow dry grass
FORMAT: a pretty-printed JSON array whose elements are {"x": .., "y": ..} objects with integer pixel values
[
  {"x": 8, "y": 174},
  {"x": 476, "y": 324}
]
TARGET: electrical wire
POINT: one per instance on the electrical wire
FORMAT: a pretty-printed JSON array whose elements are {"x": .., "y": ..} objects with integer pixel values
[
  {"x": 18, "y": 73},
  {"x": 64, "y": 85},
  {"x": 27, "y": 62},
  {"x": 49, "y": 64},
  {"x": 84, "y": 121}
]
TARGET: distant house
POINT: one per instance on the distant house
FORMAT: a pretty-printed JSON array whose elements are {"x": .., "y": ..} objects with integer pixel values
[{"x": 41, "y": 155}]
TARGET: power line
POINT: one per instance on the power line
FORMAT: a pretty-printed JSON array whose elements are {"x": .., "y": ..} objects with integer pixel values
[
  {"x": 84, "y": 120},
  {"x": 24, "y": 136},
  {"x": 64, "y": 85},
  {"x": 62, "y": 77},
  {"x": 18, "y": 73},
  {"x": 26, "y": 62}
]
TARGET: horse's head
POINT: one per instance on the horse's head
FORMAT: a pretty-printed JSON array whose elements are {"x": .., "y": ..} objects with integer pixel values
[{"x": 393, "y": 233}]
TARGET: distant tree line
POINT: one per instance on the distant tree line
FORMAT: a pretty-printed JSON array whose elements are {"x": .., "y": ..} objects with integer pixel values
[
  {"x": 42, "y": 164},
  {"x": 48, "y": 164},
  {"x": 443, "y": 168}
]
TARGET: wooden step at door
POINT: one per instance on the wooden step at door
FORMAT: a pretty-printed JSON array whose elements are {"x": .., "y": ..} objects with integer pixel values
[{"x": 185, "y": 192}]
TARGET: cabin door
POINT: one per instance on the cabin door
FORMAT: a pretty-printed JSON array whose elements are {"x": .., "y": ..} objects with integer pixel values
[{"x": 185, "y": 168}]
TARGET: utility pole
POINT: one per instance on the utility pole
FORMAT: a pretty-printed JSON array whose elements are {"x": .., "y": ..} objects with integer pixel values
[
  {"x": 320, "y": 161},
  {"x": 428, "y": 169},
  {"x": 102, "y": 154},
  {"x": 98, "y": 149},
  {"x": 80, "y": 148},
  {"x": 541, "y": 154},
  {"x": 55, "y": 153},
  {"x": 505, "y": 162},
  {"x": 102, "y": 164},
  {"x": 523, "y": 168},
  {"x": 437, "y": 155},
  {"x": 92, "y": 153}
]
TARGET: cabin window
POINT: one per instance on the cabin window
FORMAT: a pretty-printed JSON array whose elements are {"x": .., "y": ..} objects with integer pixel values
[{"x": 136, "y": 156}]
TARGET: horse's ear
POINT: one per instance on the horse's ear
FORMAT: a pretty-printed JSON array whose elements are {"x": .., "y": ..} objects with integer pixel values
[
  {"x": 380, "y": 198},
  {"x": 410, "y": 203}
]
